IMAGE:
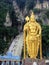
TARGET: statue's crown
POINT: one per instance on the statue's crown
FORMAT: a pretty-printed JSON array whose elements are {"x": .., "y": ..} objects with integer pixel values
[{"x": 32, "y": 16}]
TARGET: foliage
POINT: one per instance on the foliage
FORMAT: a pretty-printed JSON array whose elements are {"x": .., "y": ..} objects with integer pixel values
[
  {"x": 47, "y": 14},
  {"x": 11, "y": 32},
  {"x": 21, "y": 4},
  {"x": 45, "y": 39},
  {"x": 30, "y": 4},
  {"x": 3, "y": 45},
  {"x": 39, "y": 21},
  {"x": 8, "y": 32},
  {"x": 36, "y": 10},
  {"x": 3, "y": 10}
]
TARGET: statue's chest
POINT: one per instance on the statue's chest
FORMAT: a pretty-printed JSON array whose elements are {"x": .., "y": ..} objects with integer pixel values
[{"x": 32, "y": 28}]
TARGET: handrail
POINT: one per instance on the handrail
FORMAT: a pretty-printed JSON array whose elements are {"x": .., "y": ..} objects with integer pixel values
[{"x": 9, "y": 62}]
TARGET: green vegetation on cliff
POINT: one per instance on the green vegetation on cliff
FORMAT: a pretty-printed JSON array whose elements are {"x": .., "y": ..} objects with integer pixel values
[
  {"x": 6, "y": 33},
  {"x": 45, "y": 40}
]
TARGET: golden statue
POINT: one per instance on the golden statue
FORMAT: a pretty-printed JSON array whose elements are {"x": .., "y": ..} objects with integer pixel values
[{"x": 32, "y": 37}]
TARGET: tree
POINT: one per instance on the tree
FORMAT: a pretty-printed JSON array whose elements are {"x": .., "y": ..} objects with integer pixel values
[
  {"x": 45, "y": 39},
  {"x": 21, "y": 4},
  {"x": 30, "y": 4}
]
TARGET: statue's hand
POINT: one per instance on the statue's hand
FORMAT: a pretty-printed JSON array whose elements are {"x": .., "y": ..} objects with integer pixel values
[{"x": 38, "y": 36}]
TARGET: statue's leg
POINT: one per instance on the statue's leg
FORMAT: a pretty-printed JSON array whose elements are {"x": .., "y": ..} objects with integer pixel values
[
  {"x": 28, "y": 46},
  {"x": 35, "y": 47},
  {"x": 32, "y": 49}
]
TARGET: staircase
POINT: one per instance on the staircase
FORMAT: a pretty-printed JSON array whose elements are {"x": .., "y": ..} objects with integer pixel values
[{"x": 16, "y": 46}]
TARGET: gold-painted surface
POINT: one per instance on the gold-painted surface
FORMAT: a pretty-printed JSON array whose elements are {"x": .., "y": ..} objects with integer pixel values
[
  {"x": 32, "y": 38},
  {"x": 27, "y": 18}
]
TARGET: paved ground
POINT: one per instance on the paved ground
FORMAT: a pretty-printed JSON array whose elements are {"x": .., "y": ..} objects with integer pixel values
[
  {"x": 29, "y": 61},
  {"x": 47, "y": 64}
]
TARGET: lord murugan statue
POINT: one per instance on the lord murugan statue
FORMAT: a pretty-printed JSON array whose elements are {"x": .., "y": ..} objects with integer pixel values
[{"x": 32, "y": 37}]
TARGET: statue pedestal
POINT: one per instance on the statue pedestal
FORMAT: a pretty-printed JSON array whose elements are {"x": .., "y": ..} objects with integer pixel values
[{"x": 29, "y": 61}]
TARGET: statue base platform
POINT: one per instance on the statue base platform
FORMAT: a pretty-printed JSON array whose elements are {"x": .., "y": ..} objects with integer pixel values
[{"x": 29, "y": 61}]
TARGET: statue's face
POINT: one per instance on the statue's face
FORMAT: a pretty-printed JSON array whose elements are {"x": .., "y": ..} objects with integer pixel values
[{"x": 32, "y": 20}]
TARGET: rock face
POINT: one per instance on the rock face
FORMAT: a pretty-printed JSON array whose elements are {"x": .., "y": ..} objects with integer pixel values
[
  {"x": 44, "y": 4},
  {"x": 8, "y": 21},
  {"x": 19, "y": 15}
]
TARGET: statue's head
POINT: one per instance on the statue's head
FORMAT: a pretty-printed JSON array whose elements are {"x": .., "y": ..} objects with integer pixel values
[
  {"x": 27, "y": 18},
  {"x": 32, "y": 17}
]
